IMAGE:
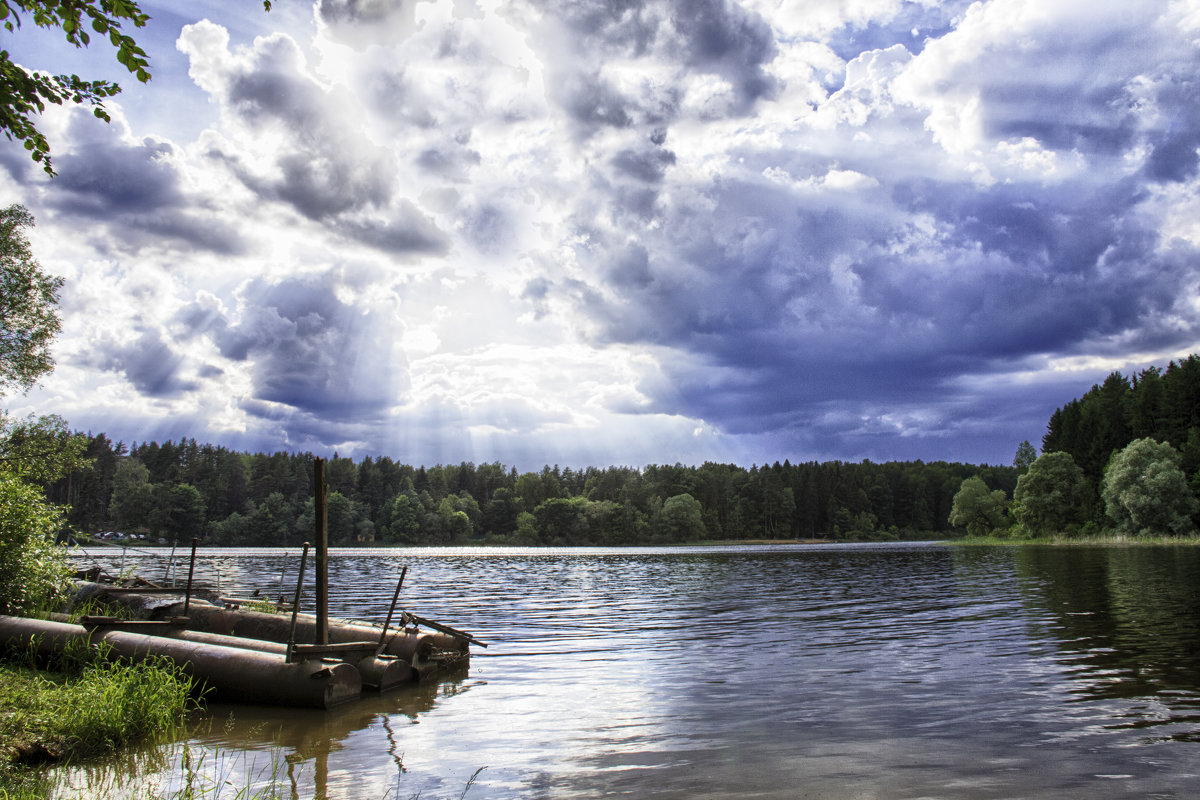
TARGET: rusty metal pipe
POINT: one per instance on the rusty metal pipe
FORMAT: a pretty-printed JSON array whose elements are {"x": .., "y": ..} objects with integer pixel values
[
  {"x": 234, "y": 674},
  {"x": 274, "y": 627},
  {"x": 378, "y": 673}
]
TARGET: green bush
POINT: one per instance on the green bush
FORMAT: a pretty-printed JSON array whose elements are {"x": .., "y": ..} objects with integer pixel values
[{"x": 31, "y": 566}]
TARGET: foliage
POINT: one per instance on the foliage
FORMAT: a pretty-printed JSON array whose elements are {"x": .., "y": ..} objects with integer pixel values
[
  {"x": 131, "y": 497},
  {"x": 31, "y": 565},
  {"x": 25, "y": 93},
  {"x": 93, "y": 706},
  {"x": 681, "y": 519},
  {"x": 1160, "y": 404},
  {"x": 40, "y": 449},
  {"x": 28, "y": 302},
  {"x": 1049, "y": 496},
  {"x": 1025, "y": 456},
  {"x": 260, "y": 499},
  {"x": 178, "y": 513},
  {"x": 1145, "y": 492},
  {"x": 977, "y": 508}
]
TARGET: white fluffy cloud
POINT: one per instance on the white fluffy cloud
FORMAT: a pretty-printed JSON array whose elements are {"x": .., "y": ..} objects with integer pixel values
[{"x": 602, "y": 232}]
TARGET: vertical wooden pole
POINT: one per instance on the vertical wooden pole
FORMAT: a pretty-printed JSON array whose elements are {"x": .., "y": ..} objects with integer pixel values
[
  {"x": 187, "y": 597},
  {"x": 322, "y": 537}
]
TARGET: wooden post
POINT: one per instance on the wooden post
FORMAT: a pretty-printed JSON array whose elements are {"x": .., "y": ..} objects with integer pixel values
[
  {"x": 322, "y": 544},
  {"x": 187, "y": 597}
]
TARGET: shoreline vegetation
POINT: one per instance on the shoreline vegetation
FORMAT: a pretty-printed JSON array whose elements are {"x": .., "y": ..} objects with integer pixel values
[
  {"x": 1067, "y": 540},
  {"x": 82, "y": 706}
]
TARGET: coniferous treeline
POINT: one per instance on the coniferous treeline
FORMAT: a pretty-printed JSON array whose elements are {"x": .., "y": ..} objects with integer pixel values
[
  {"x": 177, "y": 490},
  {"x": 1163, "y": 405},
  {"x": 1123, "y": 459}
]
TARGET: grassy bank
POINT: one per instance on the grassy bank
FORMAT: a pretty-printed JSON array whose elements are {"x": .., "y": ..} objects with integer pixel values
[
  {"x": 84, "y": 706},
  {"x": 1076, "y": 541}
]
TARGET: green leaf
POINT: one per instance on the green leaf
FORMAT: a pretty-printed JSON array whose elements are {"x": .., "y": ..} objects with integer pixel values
[{"x": 100, "y": 25}]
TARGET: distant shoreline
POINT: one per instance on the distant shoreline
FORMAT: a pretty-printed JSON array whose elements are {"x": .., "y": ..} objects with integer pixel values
[{"x": 1077, "y": 541}]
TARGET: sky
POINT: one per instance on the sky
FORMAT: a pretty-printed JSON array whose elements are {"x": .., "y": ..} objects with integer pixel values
[{"x": 612, "y": 232}]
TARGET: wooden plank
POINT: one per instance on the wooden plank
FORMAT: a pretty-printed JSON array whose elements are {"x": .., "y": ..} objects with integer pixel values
[{"x": 341, "y": 650}]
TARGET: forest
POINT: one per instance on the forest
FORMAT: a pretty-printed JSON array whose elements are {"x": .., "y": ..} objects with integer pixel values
[
  {"x": 173, "y": 491},
  {"x": 1123, "y": 459},
  {"x": 1163, "y": 405}
]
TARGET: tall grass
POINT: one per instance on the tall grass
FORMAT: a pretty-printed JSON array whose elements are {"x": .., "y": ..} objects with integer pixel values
[{"x": 89, "y": 705}]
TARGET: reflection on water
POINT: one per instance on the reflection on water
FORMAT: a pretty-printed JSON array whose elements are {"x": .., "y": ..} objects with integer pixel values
[{"x": 826, "y": 672}]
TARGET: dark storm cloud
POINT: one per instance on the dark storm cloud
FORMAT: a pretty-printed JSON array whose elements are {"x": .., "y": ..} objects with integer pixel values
[
  {"x": 795, "y": 316},
  {"x": 647, "y": 165},
  {"x": 630, "y": 268},
  {"x": 695, "y": 36},
  {"x": 404, "y": 230},
  {"x": 17, "y": 163},
  {"x": 307, "y": 349},
  {"x": 593, "y": 103},
  {"x": 326, "y": 168},
  {"x": 853, "y": 320},
  {"x": 134, "y": 190},
  {"x": 726, "y": 39},
  {"x": 148, "y": 363},
  {"x": 320, "y": 187},
  {"x": 1175, "y": 149}
]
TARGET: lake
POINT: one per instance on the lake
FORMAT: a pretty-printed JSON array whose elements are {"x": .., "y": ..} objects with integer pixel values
[{"x": 827, "y": 671}]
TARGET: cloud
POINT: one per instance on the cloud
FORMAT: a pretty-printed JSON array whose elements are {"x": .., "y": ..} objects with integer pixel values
[
  {"x": 306, "y": 349},
  {"x": 133, "y": 189},
  {"x": 820, "y": 229},
  {"x": 298, "y": 144},
  {"x": 149, "y": 363}
]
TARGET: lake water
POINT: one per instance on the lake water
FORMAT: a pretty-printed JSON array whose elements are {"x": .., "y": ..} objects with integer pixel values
[{"x": 829, "y": 671}]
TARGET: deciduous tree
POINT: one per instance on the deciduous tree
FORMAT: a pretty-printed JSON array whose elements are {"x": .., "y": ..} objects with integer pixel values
[
  {"x": 25, "y": 93},
  {"x": 1049, "y": 495},
  {"x": 1145, "y": 492},
  {"x": 977, "y": 508},
  {"x": 28, "y": 305}
]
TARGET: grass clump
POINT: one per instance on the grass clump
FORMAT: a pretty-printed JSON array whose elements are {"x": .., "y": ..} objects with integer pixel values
[{"x": 89, "y": 706}]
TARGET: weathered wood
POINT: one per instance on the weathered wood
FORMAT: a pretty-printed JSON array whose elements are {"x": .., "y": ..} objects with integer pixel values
[
  {"x": 187, "y": 598},
  {"x": 321, "y": 508},
  {"x": 391, "y": 609},
  {"x": 291, "y": 642},
  {"x": 343, "y": 650}
]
